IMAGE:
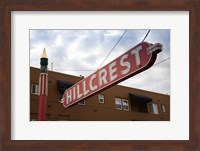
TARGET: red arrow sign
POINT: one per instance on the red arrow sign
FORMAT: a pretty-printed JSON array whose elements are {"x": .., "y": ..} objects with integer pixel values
[{"x": 134, "y": 61}]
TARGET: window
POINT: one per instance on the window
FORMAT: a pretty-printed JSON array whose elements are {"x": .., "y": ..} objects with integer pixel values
[
  {"x": 121, "y": 104},
  {"x": 81, "y": 102},
  {"x": 125, "y": 105},
  {"x": 101, "y": 98},
  {"x": 35, "y": 89},
  {"x": 153, "y": 108},
  {"x": 118, "y": 103},
  {"x": 163, "y": 108}
]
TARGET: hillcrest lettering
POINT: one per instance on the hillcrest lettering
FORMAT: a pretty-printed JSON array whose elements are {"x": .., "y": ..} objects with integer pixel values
[{"x": 134, "y": 61}]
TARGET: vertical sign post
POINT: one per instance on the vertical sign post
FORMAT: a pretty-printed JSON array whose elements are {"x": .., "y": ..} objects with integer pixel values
[{"x": 43, "y": 87}]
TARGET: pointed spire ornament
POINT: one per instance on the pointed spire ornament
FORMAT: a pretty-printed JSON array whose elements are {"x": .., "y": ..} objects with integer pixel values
[{"x": 44, "y": 54}]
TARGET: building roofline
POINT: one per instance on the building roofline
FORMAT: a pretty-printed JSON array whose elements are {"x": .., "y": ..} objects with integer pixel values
[{"x": 59, "y": 73}]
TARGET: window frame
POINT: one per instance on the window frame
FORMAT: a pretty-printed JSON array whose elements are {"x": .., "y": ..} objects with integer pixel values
[
  {"x": 99, "y": 97},
  {"x": 163, "y": 109},
  {"x": 123, "y": 100},
  {"x": 120, "y": 104},
  {"x": 36, "y": 89},
  {"x": 152, "y": 109}
]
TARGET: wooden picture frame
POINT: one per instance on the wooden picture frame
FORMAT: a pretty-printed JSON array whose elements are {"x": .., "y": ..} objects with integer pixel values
[{"x": 193, "y": 6}]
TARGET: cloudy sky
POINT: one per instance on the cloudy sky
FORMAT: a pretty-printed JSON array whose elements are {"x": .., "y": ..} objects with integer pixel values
[{"x": 81, "y": 52}]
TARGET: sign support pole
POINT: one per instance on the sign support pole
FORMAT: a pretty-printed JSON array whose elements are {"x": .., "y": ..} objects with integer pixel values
[{"x": 43, "y": 87}]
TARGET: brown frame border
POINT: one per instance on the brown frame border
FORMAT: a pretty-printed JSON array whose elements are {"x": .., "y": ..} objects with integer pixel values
[{"x": 193, "y": 6}]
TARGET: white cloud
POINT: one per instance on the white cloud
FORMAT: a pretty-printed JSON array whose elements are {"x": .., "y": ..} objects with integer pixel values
[{"x": 86, "y": 49}]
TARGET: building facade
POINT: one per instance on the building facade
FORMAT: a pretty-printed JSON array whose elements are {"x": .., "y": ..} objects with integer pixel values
[{"x": 117, "y": 103}]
